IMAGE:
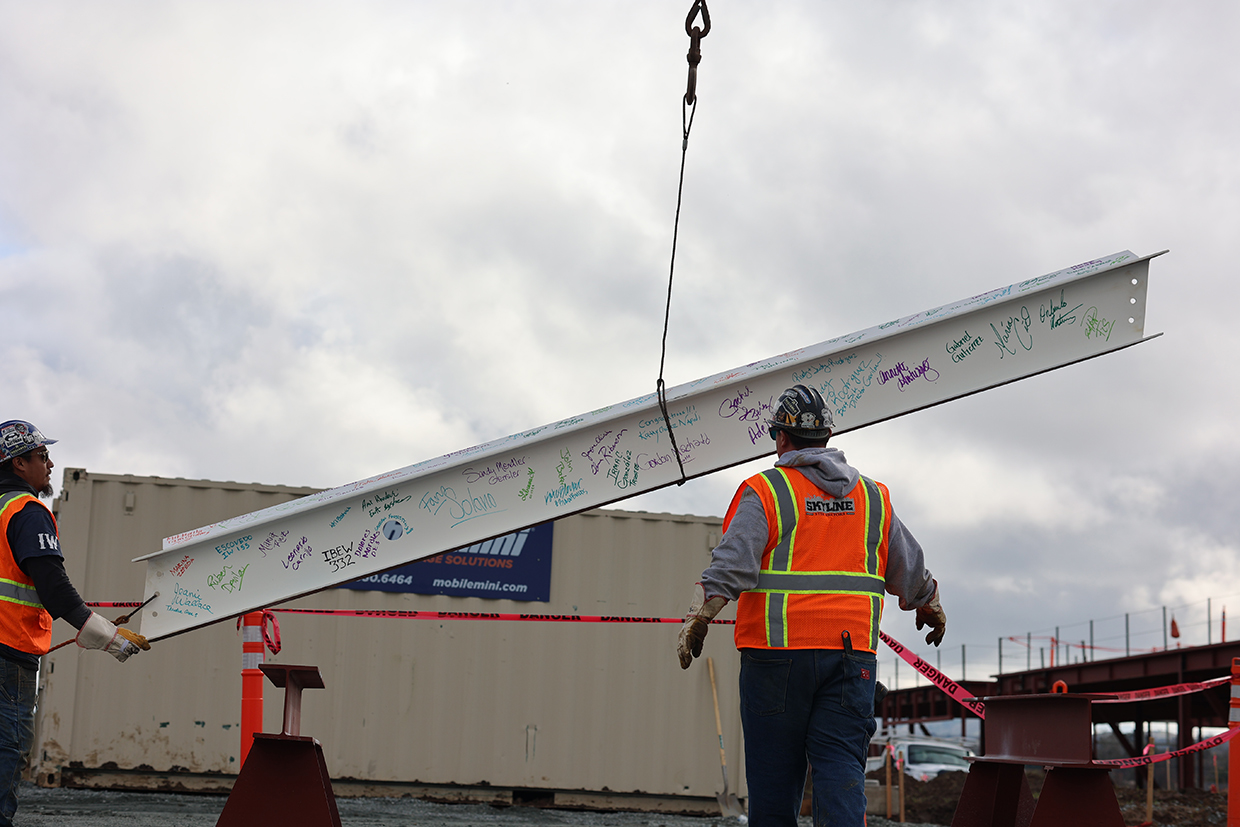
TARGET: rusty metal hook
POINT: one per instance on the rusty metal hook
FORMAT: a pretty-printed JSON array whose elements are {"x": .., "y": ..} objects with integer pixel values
[
  {"x": 695, "y": 46},
  {"x": 698, "y": 5}
]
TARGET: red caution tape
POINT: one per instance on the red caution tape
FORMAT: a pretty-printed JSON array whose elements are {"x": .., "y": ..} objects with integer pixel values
[
  {"x": 958, "y": 693},
  {"x": 552, "y": 618},
  {"x": 1163, "y": 691},
  {"x": 954, "y": 690},
  {"x": 270, "y": 637},
  {"x": 1142, "y": 760}
]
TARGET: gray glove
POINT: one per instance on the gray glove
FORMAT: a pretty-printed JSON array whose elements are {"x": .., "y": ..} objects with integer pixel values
[
  {"x": 697, "y": 622},
  {"x": 100, "y": 633}
]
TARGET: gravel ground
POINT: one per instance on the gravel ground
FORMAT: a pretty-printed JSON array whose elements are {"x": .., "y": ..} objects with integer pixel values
[
  {"x": 58, "y": 807},
  {"x": 61, "y": 807}
]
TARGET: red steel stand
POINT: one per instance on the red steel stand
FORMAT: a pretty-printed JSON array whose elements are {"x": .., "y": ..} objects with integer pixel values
[
  {"x": 285, "y": 780},
  {"x": 1052, "y": 731}
]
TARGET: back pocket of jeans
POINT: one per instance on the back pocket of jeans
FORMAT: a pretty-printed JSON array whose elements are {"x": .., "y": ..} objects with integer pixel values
[
  {"x": 858, "y": 691},
  {"x": 764, "y": 689}
]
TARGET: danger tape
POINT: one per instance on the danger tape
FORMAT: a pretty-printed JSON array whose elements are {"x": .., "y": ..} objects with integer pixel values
[
  {"x": 545, "y": 618},
  {"x": 1142, "y": 760},
  {"x": 1162, "y": 691},
  {"x": 954, "y": 690},
  {"x": 961, "y": 696}
]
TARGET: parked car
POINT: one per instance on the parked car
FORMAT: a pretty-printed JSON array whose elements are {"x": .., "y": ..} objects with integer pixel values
[{"x": 924, "y": 758}]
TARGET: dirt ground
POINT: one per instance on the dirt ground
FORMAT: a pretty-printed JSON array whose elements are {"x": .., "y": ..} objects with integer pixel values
[{"x": 934, "y": 802}]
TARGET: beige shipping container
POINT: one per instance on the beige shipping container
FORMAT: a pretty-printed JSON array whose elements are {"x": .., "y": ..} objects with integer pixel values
[{"x": 569, "y": 713}]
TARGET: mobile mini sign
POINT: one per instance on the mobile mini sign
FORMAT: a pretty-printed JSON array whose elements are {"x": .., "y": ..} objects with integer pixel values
[{"x": 516, "y": 566}]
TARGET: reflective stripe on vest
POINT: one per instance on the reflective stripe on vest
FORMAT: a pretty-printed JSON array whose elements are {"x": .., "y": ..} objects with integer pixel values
[
  {"x": 779, "y": 580},
  {"x": 15, "y": 592}
]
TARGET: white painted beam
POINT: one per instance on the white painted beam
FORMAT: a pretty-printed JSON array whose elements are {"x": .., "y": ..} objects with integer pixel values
[{"x": 261, "y": 559}]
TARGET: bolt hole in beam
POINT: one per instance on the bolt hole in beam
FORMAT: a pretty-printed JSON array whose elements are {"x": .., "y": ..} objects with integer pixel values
[{"x": 895, "y": 368}]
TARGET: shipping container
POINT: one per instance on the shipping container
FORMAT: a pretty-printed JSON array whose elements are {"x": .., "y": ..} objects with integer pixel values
[{"x": 561, "y": 712}]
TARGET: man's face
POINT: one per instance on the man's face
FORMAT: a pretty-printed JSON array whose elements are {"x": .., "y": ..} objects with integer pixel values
[{"x": 35, "y": 467}]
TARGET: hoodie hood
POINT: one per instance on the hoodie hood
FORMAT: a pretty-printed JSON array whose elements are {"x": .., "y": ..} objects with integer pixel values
[
  {"x": 825, "y": 468},
  {"x": 12, "y": 482}
]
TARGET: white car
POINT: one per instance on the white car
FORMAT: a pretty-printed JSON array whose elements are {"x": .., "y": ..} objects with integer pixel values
[{"x": 924, "y": 758}]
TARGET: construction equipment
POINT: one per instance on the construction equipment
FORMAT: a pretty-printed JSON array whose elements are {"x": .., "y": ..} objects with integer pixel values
[{"x": 729, "y": 805}]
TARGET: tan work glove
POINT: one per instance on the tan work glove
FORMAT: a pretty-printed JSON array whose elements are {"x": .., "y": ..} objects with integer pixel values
[
  {"x": 932, "y": 615},
  {"x": 100, "y": 633},
  {"x": 697, "y": 622}
]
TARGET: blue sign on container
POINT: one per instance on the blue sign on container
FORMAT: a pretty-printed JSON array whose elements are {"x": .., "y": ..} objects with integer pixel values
[{"x": 516, "y": 566}]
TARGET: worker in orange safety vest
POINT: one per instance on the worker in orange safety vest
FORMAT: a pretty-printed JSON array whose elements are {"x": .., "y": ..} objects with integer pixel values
[
  {"x": 809, "y": 548},
  {"x": 34, "y": 589}
]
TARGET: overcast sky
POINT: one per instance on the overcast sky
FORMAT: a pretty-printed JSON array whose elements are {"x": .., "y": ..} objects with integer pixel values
[{"x": 306, "y": 243}]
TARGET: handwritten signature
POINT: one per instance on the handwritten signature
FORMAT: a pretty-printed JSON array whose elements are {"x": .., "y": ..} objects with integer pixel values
[
  {"x": 1095, "y": 326},
  {"x": 848, "y": 392},
  {"x": 459, "y": 509},
  {"x": 1056, "y": 314},
  {"x": 298, "y": 555},
  {"x": 229, "y": 579},
  {"x": 1014, "y": 329},
  {"x": 601, "y": 451},
  {"x": 904, "y": 375},
  {"x": 504, "y": 469},
  {"x": 185, "y": 601},
  {"x": 528, "y": 490},
  {"x": 339, "y": 557}
]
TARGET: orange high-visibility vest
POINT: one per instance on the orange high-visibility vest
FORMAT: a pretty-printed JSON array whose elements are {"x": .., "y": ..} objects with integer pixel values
[
  {"x": 24, "y": 624},
  {"x": 823, "y": 567}
]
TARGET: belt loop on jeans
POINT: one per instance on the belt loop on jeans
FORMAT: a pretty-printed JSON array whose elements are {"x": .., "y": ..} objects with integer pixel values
[{"x": 848, "y": 650}]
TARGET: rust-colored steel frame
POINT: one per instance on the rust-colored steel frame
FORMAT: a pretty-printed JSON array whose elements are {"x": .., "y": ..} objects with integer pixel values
[{"x": 1148, "y": 670}]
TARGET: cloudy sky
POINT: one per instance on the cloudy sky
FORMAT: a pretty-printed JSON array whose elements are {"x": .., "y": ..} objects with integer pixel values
[{"x": 306, "y": 243}]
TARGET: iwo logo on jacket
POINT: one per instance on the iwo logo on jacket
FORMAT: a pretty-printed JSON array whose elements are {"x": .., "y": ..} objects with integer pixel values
[{"x": 817, "y": 505}]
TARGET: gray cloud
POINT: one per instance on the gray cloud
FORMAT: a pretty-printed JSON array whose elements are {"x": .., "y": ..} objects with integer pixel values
[{"x": 297, "y": 245}]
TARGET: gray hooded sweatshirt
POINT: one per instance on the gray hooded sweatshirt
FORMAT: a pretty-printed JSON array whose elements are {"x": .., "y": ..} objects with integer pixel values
[{"x": 736, "y": 561}]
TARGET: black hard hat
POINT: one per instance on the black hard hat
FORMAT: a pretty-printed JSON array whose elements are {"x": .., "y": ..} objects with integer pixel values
[{"x": 802, "y": 412}]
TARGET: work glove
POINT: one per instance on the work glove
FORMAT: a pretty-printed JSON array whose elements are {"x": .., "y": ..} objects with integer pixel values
[
  {"x": 100, "y": 633},
  {"x": 697, "y": 621},
  {"x": 932, "y": 615}
]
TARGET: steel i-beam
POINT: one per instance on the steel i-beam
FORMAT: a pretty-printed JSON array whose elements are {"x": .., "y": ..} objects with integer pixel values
[{"x": 604, "y": 456}]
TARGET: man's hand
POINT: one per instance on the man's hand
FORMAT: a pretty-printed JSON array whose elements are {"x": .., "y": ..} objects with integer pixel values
[
  {"x": 697, "y": 622},
  {"x": 932, "y": 615},
  {"x": 100, "y": 633}
]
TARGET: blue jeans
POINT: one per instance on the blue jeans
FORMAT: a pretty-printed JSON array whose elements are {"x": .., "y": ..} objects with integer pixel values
[
  {"x": 799, "y": 704},
  {"x": 18, "y": 687}
]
